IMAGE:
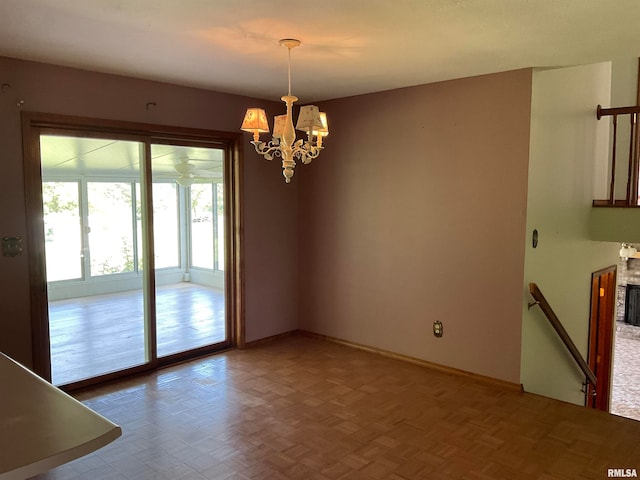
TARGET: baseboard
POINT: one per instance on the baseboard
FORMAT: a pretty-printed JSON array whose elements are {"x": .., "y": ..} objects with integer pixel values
[
  {"x": 415, "y": 361},
  {"x": 270, "y": 339}
]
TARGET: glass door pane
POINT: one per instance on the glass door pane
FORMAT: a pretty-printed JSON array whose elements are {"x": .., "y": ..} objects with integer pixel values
[
  {"x": 94, "y": 255},
  {"x": 166, "y": 225},
  {"x": 202, "y": 226},
  {"x": 111, "y": 227},
  {"x": 219, "y": 225},
  {"x": 62, "y": 230},
  {"x": 190, "y": 294}
]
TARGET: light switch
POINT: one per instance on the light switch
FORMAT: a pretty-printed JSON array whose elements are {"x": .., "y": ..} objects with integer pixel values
[{"x": 12, "y": 246}]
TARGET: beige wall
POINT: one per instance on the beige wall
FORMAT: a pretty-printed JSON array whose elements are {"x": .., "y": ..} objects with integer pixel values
[
  {"x": 615, "y": 225},
  {"x": 416, "y": 212},
  {"x": 270, "y": 208},
  {"x": 565, "y": 146}
]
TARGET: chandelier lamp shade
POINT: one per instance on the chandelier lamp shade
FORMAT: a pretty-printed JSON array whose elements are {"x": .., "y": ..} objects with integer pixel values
[{"x": 284, "y": 143}]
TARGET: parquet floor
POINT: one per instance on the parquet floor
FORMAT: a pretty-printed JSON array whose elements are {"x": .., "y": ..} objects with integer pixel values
[
  {"x": 303, "y": 408},
  {"x": 98, "y": 334}
]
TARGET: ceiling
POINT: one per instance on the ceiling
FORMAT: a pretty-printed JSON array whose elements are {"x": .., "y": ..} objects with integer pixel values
[
  {"x": 349, "y": 46},
  {"x": 75, "y": 157}
]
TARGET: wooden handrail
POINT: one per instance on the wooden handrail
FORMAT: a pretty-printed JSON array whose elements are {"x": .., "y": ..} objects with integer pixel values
[
  {"x": 603, "y": 112},
  {"x": 562, "y": 333}
]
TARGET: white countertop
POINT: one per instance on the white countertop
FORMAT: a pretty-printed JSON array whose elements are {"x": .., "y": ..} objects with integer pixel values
[{"x": 42, "y": 427}]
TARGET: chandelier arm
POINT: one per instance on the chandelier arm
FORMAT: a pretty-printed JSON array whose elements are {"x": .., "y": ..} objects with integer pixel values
[
  {"x": 268, "y": 150},
  {"x": 307, "y": 152}
]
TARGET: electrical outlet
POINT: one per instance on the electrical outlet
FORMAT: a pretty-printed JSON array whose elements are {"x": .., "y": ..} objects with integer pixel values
[{"x": 438, "y": 329}]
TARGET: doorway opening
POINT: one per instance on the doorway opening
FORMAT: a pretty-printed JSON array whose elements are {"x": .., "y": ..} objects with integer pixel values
[
  {"x": 625, "y": 394},
  {"x": 137, "y": 248}
]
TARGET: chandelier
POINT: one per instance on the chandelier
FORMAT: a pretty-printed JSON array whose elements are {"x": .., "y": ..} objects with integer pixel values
[{"x": 284, "y": 143}]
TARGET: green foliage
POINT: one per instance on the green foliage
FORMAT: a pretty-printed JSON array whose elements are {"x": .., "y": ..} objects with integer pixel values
[
  {"x": 123, "y": 264},
  {"x": 52, "y": 197},
  {"x": 220, "y": 198}
]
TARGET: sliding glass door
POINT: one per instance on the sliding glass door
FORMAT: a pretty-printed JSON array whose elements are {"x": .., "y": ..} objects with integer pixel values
[
  {"x": 103, "y": 217},
  {"x": 94, "y": 256},
  {"x": 190, "y": 308}
]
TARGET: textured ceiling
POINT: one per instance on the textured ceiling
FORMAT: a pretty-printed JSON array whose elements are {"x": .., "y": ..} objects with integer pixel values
[{"x": 349, "y": 46}]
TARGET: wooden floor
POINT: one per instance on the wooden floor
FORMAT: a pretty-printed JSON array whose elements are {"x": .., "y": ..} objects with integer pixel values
[
  {"x": 303, "y": 408},
  {"x": 94, "y": 335}
]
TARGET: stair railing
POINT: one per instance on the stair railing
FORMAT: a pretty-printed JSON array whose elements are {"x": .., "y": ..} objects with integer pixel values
[
  {"x": 631, "y": 199},
  {"x": 564, "y": 336}
]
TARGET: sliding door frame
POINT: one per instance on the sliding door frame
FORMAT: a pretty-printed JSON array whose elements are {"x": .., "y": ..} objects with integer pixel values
[{"x": 35, "y": 124}]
